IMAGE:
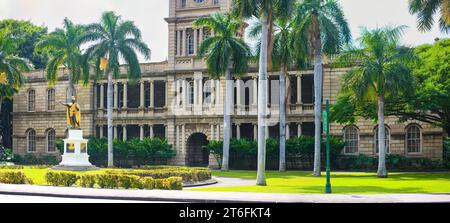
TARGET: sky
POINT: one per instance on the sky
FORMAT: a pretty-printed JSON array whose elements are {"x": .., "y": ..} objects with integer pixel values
[{"x": 149, "y": 16}]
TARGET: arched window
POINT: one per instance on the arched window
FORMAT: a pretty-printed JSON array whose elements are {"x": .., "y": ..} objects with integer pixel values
[
  {"x": 190, "y": 89},
  {"x": 351, "y": 139},
  {"x": 31, "y": 141},
  {"x": 50, "y": 141},
  {"x": 31, "y": 100},
  {"x": 387, "y": 138},
  {"x": 413, "y": 139},
  {"x": 51, "y": 99}
]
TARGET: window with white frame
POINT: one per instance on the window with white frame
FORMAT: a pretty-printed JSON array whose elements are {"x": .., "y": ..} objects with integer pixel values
[
  {"x": 31, "y": 100},
  {"x": 216, "y": 2},
  {"x": 50, "y": 141},
  {"x": 31, "y": 141},
  {"x": 351, "y": 139},
  {"x": 413, "y": 139},
  {"x": 190, "y": 89},
  {"x": 207, "y": 92},
  {"x": 51, "y": 99},
  {"x": 387, "y": 135}
]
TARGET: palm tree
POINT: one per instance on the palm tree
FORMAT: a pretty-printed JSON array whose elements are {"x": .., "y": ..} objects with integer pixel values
[
  {"x": 327, "y": 29},
  {"x": 225, "y": 54},
  {"x": 266, "y": 11},
  {"x": 382, "y": 71},
  {"x": 426, "y": 10},
  {"x": 11, "y": 68},
  {"x": 64, "y": 47},
  {"x": 283, "y": 55},
  {"x": 112, "y": 39}
]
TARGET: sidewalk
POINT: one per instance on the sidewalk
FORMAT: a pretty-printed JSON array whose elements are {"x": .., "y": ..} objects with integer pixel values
[{"x": 215, "y": 197}]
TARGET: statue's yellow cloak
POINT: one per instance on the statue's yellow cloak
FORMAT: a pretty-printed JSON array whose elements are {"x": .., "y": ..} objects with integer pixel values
[{"x": 73, "y": 109}]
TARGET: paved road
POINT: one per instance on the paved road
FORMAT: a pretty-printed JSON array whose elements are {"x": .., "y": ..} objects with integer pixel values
[{"x": 42, "y": 199}]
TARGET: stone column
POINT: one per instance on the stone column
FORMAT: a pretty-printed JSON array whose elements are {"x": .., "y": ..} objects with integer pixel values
[
  {"x": 299, "y": 89},
  {"x": 183, "y": 43},
  {"x": 142, "y": 94},
  {"x": 177, "y": 137},
  {"x": 115, "y": 132},
  {"x": 213, "y": 137},
  {"x": 195, "y": 41},
  {"x": 178, "y": 47},
  {"x": 238, "y": 131},
  {"x": 255, "y": 132},
  {"x": 124, "y": 133},
  {"x": 238, "y": 92},
  {"x": 116, "y": 95},
  {"x": 267, "y": 131},
  {"x": 218, "y": 89},
  {"x": 287, "y": 131},
  {"x": 299, "y": 129},
  {"x": 125, "y": 94},
  {"x": 255, "y": 90},
  {"x": 201, "y": 35},
  {"x": 152, "y": 93},
  {"x": 101, "y": 131},
  {"x": 166, "y": 98},
  {"x": 200, "y": 96},
  {"x": 195, "y": 92},
  {"x": 141, "y": 128},
  {"x": 151, "y": 131},
  {"x": 102, "y": 96},
  {"x": 183, "y": 135},
  {"x": 218, "y": 131}
]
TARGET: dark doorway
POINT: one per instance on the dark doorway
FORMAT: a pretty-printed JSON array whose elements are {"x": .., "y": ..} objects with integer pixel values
[
  {"x": 196, "y": 155},
  {"x": 308, "y": 89}
]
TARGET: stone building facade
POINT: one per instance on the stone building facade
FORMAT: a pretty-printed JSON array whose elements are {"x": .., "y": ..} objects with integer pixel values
[{"x": 176, "y": 100}]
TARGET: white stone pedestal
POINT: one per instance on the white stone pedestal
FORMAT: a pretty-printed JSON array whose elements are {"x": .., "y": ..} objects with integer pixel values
[{"x": 75, "y": 155}]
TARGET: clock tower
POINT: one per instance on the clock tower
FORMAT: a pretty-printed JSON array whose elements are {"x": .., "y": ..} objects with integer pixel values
[{"x": 184, "y": 38}]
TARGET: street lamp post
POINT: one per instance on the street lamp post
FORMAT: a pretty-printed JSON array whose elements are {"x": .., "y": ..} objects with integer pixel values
[{"x": 327, "y": 129}]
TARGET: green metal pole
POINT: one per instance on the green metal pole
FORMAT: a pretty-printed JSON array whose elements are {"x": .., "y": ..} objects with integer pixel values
[{"x": 328, "y": 185}]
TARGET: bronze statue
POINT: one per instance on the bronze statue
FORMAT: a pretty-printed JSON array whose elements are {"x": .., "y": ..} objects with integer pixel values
[{"x": 73, "y": 113}]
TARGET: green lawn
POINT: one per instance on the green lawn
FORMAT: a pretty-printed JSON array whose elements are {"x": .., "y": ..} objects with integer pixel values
[{"x": 341, "y": 182}]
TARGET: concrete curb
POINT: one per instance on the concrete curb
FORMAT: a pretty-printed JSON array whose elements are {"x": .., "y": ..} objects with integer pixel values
[{"x": 215, "y": 197}]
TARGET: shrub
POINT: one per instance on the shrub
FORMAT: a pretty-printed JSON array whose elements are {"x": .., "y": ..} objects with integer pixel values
[
  {"x": 33, "y": 159},
  {"x": 173, "y": 183},
  {"x": 110, "y": 181},
  {"x": 127, "y": 181},
  {"x": 148, "y": 183},
  {"x": 187, "y": 174},
  {"x": 88, "y": 180},
  {"x": 14, "y": 177},
  {"x": 159, "y": 184},
  {"x": 6, "y": 155},
  {"x": 61, "y": 178},
  {"x": 11, "y": 167}
]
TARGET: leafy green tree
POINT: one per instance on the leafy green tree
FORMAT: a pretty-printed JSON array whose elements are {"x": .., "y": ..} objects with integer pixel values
[
  {"x": 64, "y": 47},
  {"x": 113, "y": 39},
  {"x": 11, "y": 67},
  {"x": 266, "y": 11},
  {"x": 26, "y": 35},
  {"x": 383, "y": 72},
  {"x": 426, "y": 10},
  {"x": 225, "y": 54},
  {"x": 324, "y": 23}
]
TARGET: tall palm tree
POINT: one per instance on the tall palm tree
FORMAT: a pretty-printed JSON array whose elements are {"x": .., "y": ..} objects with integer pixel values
[
  {"x": 382, "y": 71},
  {"x": 64, "y": 47},
  {"x": 426, "y": 10},
  {"x": 226, "y": 54},
  {"x": 283, "y": 55},
  {"x": 11, "y": 68},
  {"x": 266, "y": 11},
  {"x": 113, "y": 39},
  {"x": 327, "y": 29}
]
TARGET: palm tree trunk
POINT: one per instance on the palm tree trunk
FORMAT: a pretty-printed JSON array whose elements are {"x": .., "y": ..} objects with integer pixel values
[
  {"x": 282, "y": 166},
  {"x": 317, "y": 95},
  {"x": 110, "y": 120},
  {"x": 382, "y": 172},
  {"x": 227, "y": 120},
  {"x": 262, "y": 104},
  {"x": 70, "y": 88}
]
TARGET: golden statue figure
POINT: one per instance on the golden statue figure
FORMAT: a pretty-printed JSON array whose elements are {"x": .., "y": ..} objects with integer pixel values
[{"x": 73, "y": 113}]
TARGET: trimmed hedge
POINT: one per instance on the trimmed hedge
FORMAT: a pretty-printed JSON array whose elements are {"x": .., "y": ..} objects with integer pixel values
[
  {"x": 88, "y": 180},
  {"x": 61, "y": 178},
  {"x": 14, "y": 177},
  {"x": 135, "y": 152},
  {"x": 187, "y": 174}
]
